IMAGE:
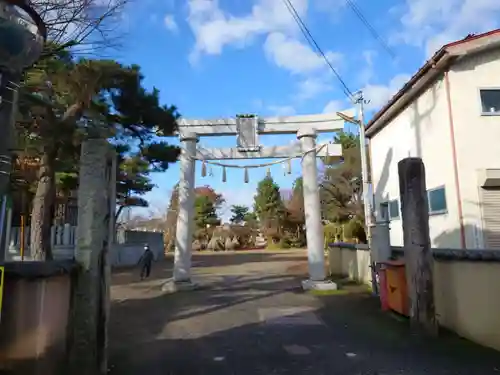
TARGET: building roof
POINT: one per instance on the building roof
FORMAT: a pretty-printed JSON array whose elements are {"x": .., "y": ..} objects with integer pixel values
[{"x": 430, "y": 73}]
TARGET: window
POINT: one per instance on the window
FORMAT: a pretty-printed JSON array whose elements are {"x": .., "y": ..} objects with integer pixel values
[
  {"x": 394, "y": 209},
  {"x": 437, "y": 201},
  {"x": 384, "y": 211},
  {"x": 490, "y": 101}
]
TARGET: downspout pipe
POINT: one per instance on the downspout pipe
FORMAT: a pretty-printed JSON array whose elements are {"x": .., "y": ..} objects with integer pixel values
[{"x": 455, "y": 161}]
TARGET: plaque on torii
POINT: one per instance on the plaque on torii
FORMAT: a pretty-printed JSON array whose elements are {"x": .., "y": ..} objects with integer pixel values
[
  {"x": 247, "y": 129},
  {"x": 247, "y": 137}
]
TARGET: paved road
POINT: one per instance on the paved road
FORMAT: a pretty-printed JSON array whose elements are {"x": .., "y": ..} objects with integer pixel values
[{"x": 250, "y": 317}]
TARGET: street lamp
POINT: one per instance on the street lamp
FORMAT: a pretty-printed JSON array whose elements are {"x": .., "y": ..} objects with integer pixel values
[{"x": 22, "y": 37}]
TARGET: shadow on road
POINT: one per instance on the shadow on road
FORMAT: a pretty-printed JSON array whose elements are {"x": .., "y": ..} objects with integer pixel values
[{"x": 222, "y": 330}]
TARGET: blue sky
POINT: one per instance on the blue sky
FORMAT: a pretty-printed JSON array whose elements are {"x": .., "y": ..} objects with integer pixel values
[{"x": 219, "y": 58}]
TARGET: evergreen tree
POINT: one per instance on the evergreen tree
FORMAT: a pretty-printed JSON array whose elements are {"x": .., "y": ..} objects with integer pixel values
[
  {"x": 205, "y": 212},
  {"x": 268, "y": 205},
  {"x": 133, "y": 181},
  {"x": 239, "y": 214},
  {"x": 295, "y": 206},
  {"x": 63, "y": 100},
  {"x": 251, "y": 220}
]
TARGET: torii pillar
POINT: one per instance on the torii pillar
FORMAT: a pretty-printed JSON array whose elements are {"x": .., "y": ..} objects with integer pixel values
[
  {"x": 247, "y": 129},
  {"x": 184, "y": 229},
  {"x": 312, "y": 210}
]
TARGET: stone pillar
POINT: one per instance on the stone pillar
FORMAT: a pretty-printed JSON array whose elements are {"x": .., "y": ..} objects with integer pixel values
[
  {"x": 112, "y": 198},
  {"x": 87, "y": 335},
  {"x": 312, "y": 208},
  {"x": 185, "y": 218},
  {"x": 417, "y": 245}
]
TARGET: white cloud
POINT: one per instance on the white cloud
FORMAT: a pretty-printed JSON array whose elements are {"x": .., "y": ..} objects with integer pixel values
[
  {"x": 170, "y": 23},
  {"x": 281, "y": 110},
  {"x": 215, "y": 29},
  {"x": 284, "y": 52},
  {"x": 367, "y": 73},
  {"x": 379, "y": 95},
  {"x": 334, "y": 106},
  {"x": 432, "y": 23},
  {"x": 311, "y": 87}
]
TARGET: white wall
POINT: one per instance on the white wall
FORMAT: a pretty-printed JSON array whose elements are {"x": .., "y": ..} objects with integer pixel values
[
  {"x": 477, "y": 137},
  {"x": 421, "y": 130}
]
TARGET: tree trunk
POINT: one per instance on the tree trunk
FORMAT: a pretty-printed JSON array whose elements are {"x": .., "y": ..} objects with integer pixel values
[{"x": 43, "y": 205}]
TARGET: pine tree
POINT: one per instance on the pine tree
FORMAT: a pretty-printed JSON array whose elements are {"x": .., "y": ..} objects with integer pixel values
[{"x": 63, "y": 100}]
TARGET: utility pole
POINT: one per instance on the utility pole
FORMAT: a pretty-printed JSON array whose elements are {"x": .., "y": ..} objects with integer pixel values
[
  {"x": 365, "y": 176},
  {"x": 360, "y": 101}
]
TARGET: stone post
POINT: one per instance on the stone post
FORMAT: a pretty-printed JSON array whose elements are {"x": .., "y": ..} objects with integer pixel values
[
  {"x": 87, "y": 335},
  {"x": 417, "y": 244},
  {"x": 112, "y": 197},
  {"x": 312, "y": 208},
  {"x": 66, "y": 234},
  {"x": 185, "y": 219}
]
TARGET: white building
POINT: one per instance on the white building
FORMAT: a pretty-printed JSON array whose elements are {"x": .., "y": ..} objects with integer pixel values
[{"x": 449, "y": 115}]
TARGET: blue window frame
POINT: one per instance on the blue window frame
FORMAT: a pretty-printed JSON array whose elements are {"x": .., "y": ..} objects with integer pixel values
[
  {"x": 394, "y": 209},
  {"x": 437, "y": 201}
]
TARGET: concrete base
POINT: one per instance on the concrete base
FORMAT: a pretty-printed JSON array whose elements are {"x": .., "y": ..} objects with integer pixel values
[
  {"x": 172, "y": 286},
  {"x": 325, "y": 285}
]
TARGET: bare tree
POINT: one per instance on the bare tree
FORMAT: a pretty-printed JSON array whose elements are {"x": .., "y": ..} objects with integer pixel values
[{"x": 92, "y": 25}]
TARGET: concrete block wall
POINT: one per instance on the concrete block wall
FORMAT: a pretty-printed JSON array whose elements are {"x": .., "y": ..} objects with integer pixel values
[{"x": 466, "y": 287}]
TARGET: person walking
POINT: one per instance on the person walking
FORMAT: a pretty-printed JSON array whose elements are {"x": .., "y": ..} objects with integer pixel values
[{"x": 146, "y": 261}]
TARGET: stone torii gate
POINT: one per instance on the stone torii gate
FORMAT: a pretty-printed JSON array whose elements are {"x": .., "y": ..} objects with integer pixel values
[{"x": 247, "y": 128}]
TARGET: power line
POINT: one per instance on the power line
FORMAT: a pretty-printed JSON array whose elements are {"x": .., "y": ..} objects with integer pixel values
[
  {"x": 354, "y": 7},
  {"x": 310, "y": 39}
]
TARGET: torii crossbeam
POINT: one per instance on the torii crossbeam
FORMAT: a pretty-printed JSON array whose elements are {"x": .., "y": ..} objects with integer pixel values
[{"x": 247, "y": 128}]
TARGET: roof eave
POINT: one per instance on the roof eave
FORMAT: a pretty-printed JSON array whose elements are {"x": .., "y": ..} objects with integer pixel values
[
  {"x": 425, "y": 76},
  {"x": 428, "y": 74}
]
